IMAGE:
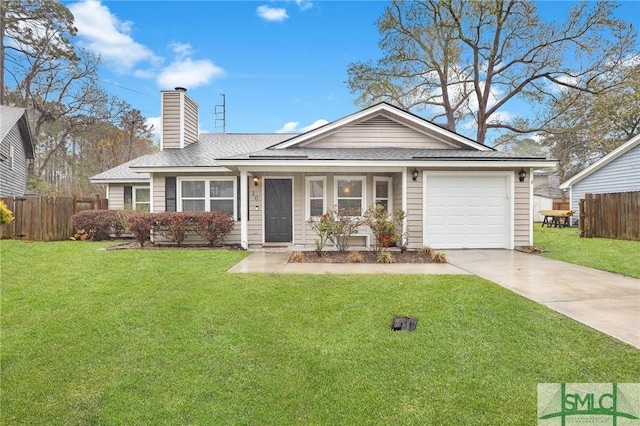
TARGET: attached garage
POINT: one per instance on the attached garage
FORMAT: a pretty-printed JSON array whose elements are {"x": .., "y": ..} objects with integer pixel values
[{"x": 468, "y": 210}]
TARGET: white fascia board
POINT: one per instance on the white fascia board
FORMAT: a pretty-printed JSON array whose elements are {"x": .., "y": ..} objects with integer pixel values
[
  {"x": 217, "y": 169},
  {"x": 631, "y": 143},
  {"x": 121, "y": 180}
]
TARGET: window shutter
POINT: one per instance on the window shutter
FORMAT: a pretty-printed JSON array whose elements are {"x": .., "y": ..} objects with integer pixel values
[
  {"x": 128, "y": 197},
  {"x": 170, "y": 194}
]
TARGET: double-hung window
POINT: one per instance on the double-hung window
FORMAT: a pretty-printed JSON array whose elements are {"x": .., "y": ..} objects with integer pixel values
[
  {"x": 141, "y": 199},
  {"x": 350, "y": 194},
  {"x": 316, "y": 191},
  {"x": 382, "y": 188},
  {"x": 198, "y": 195}
]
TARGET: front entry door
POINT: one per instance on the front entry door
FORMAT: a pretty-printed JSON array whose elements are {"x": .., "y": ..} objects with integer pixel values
[{"x": 277, "y": 211}]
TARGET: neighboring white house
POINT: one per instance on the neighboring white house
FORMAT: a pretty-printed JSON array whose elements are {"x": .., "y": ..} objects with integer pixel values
[
  {"x": 15, "y": 148},
  {"x": 618, "y": 171},
  {"x": 456, "y": 192}
]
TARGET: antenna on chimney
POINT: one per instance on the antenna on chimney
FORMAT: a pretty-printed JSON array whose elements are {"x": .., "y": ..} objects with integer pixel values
[{"x": 221, "y": 110}]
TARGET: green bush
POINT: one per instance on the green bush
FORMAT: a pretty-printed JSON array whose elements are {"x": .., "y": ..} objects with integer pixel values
[{"x": 337, "y": 226}]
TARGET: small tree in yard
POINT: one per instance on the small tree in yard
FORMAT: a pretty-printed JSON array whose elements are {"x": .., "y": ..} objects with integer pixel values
[
  {"x": 386, "y": 230},
  {"x": 337, "y": 226}
]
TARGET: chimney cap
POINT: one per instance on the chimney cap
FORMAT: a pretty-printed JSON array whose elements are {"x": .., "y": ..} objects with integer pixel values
[{"x": 181, "y": 89}]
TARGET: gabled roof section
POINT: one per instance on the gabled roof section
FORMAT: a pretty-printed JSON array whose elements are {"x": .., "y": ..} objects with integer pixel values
[
  {"x": 120, "y": 174},
  {"x": 425, "y": 133},
  {"x": 619, "y": 151},
  {"x": 11, "y": 116}
]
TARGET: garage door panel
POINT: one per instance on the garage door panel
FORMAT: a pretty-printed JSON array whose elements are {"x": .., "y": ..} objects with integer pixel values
[{"x": 467, "y": 211}]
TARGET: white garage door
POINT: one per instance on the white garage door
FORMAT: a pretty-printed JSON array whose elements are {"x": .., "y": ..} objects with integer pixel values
[{"x": 469, "y": 211}]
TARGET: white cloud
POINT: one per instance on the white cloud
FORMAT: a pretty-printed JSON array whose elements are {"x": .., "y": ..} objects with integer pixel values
[
  {"x": 292, "y": 126},
  {"x": 188, "y": 73},
  {"x": 272, "y": 14},
  {"x": 501, "y": 117},
  {"x": 156, "y": 122},
  {"x": 102, "y": 33},
  {"x": 181, "y": 49},
  {"x": 315, "y": 124},
  {"x": 289, "y": 127},
  {"x": 304, "y": 4}
]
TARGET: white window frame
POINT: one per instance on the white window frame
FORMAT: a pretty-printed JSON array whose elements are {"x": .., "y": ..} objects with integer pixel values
[
  {"x": 363, "y": 199},
  {"x": 308, "y": 198},
  {"x": 207, "y": 190},
  {"x": 232, "y": 198},
  {"x": 134, "y": 196},
  {"x": 389, "y": 196}
]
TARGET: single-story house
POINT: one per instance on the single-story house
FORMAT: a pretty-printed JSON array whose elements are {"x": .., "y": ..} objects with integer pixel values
[
  {"x": 456, "y": 192},
  {"x": 618, "y": 171},
  {"x": 16, "y": 148}
]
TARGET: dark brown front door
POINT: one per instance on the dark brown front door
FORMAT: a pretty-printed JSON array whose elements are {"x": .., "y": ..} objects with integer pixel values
[{"x": 277, "y": 211}]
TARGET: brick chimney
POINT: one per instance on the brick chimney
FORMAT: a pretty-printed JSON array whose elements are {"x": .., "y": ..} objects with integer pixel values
[{"x": 179, "y": 116}]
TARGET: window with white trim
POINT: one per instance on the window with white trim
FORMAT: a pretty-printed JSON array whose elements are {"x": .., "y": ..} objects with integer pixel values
[
  {"x": 350, "y": 194},
  {"x": 11, "y": 156},
  {"x": 316, "y": 200},
  {"x": 382, "y": 193},
  {"x": 141, "y": 198},
  {"x": 198, "y": 195}
]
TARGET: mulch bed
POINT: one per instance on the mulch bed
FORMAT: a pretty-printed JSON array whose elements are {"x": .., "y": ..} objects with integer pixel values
[{"x": 367, "y": 257}]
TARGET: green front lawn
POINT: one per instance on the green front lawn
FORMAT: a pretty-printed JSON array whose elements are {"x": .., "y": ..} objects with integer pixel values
[
  {"x": 565, "y": 244},
  {"x": 167, "y": 337}
]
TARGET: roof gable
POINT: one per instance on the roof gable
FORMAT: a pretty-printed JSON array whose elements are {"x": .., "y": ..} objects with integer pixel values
[
  {"x": 616, "y": 153},
  {"x": 14, "y": 116},
  {"x": 382, "y": 125}
]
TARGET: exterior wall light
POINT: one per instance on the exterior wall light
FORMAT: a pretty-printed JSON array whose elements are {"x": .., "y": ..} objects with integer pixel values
[
  {"x": 522, "y": 174},
  {"x": 414, "y": 175},
  {"x": 256, "y": 181}
]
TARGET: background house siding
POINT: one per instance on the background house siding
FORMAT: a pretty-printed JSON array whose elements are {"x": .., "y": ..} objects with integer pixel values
[
  {"x": 13, "y": 174},
  {"x": 620, "y": 175}
]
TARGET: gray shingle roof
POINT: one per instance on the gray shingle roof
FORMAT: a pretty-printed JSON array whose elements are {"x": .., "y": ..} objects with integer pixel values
[
  {"x": 209, "y": 148},
  {"x": 120, "y": 173}
]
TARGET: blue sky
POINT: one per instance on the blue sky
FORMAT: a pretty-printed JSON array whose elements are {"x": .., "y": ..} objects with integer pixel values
[{"x": 282, "y": 65}]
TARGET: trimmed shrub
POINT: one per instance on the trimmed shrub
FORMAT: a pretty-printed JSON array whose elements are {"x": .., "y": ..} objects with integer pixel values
[
  {"x": 140, "y": 225},
  {"x": 100, "y": 224},
  {"x": 213, "y": 226},
  {"x": 174, "y": 225}
]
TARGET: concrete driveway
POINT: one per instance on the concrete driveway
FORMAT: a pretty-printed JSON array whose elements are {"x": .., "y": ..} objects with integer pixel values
[{"x": 602, "y": 300}]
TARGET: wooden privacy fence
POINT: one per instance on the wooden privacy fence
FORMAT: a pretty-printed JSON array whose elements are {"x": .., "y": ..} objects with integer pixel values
[
  {"x": 39, "y": 218},
  {"x": 615, "y": 215}
]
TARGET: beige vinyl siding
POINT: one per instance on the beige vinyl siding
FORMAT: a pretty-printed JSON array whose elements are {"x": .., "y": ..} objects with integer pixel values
[
  {"x": 116, "y": 196},
  {"x": 190, "y": 121},
  {"x": 375, "y": 132},
  {"x": 521, "y": 210},
  {"x": 158, "y": 192},
  {"x": 414, "y": 210},
  {"x": 254, "y": 224},
  {"x": 171, "y": 103}
]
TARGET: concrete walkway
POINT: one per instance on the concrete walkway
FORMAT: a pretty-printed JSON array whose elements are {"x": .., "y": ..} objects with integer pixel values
[
  {"x": 276, "y": 263},
  {"x": 602, "y": 300}
]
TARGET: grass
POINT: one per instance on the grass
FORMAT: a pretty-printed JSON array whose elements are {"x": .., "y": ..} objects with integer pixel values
[
  {"x": 167, "y": 337},
  {"x": 565, "y": 244}
]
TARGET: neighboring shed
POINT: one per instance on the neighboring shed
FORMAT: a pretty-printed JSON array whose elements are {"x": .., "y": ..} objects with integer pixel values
[
  {"x": 618, "y": 171},
  {"x": 540, "y": 202},
  {"x": 15, "y": 148}
]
